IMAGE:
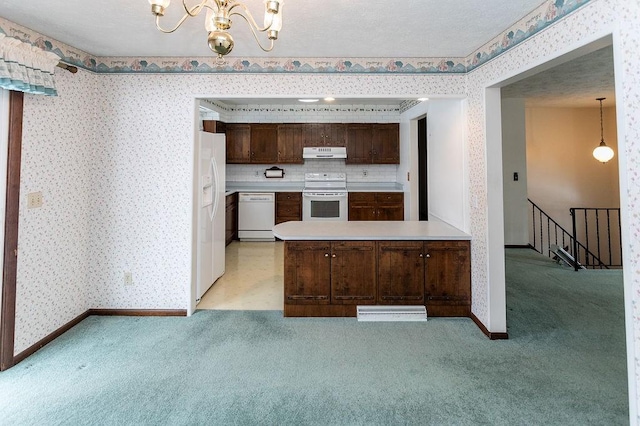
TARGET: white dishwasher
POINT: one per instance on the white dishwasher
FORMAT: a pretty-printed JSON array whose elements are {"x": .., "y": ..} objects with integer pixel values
[{"x": 256, "y": 216}]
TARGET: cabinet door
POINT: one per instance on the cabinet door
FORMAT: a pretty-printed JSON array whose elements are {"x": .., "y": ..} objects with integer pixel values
[
  {"x": 400, "y": 273},
  {"x": 353, "y": 272},
  {"x": 288, "y": 206},
  {"x": 264, "y": 143},
  {"x": 290, "y": 141},
  {"x": 307, "y": 272},
  {"x": 358, "y": 141},
  {"x": 238, "y": 143},
  {"x": 390, "y": 205},
  {"x": 448, "y": 272},
  {"x": 362, "y": 206},
  {"x": 334, "y": 134},
  {"x": 312, "y": 134},
  {"x": 386, "y": 143}
]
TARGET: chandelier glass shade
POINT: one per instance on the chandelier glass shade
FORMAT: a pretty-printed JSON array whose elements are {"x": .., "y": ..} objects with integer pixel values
[
  {"x": 602, "y": 153},
  {"x": 218, "y": 21}
]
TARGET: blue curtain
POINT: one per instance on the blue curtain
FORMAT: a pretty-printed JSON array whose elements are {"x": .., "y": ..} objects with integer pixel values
[{"x": 26, "y": 68}]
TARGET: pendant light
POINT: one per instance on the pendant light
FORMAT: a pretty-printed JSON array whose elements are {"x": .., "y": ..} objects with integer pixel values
[{"x": 602, "y": 152}]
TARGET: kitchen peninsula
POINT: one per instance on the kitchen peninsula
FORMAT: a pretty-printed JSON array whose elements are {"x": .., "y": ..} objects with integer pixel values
[{"x": 331, "y": 267}]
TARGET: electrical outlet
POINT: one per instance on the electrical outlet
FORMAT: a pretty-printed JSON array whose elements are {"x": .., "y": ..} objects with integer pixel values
[
  {"x": 365, "y": 173},
  {"x": 128, "y": 278},
  {"x": 34, "y": 200}
]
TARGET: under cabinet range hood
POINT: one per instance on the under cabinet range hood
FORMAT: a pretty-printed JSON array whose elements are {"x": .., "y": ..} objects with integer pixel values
[{"x": 324, "y": 152}]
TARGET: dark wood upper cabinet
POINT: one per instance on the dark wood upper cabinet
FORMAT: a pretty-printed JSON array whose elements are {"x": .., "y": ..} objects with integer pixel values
[
  {"x": 334, "y": 134},
  {"x": 386, "y": 143},
  {"x": 264, "y": 143},
  {"x": 290, "y": 143},
  {"x": 238, "y": 143},
  {"x": 283, "y": 143},
  {"x": 373, "y": 143},
  {"x": 213, "y": 126},
  {"x": 324, "y": 134},
  {"x": 358, "y": 138}
]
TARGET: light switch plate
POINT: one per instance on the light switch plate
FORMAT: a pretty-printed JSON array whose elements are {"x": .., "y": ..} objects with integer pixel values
[{"x": 34, "y": 200}]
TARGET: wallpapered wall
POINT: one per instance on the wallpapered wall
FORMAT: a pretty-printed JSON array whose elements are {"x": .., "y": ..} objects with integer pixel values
[
  {"x": 137, "y": 207},
  {"x": 53, "y": 284},
  {"x": 596, "y": 19}
]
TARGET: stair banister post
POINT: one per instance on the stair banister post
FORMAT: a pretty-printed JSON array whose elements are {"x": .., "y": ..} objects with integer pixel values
[{"x": 575, "y": 239}]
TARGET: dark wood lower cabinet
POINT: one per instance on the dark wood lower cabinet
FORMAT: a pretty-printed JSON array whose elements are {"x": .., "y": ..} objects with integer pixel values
[
  {"x": 376, "y": 206},
  {"x": 401, "y": 273},
  {"x": 332, "y": 277},
  {"x": 447, "y": 283},
  {"x": 307, "y": 272},
  {"x": 231, "y": 218},
  {"x": 353, "y": 272},
  {"x": 288, "y": 206}
]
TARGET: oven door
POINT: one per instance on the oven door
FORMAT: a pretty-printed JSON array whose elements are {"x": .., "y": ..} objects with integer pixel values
[{"x": 324, "y": 206}]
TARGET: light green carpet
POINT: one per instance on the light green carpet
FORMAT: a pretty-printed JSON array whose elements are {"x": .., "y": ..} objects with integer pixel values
[{"x": 564, "y": 364}]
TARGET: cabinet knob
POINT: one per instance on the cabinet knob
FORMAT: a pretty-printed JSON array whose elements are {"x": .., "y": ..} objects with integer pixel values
[
  {"x": 326, "y": 255},
  {"x": 333, "y": 255},
  {"x": 428, "y": 255},
  {"x": 421, "y": 255}
]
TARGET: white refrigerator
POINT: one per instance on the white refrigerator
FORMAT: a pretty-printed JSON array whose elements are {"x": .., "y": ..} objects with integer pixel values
[{"x": 211, "y": 158}]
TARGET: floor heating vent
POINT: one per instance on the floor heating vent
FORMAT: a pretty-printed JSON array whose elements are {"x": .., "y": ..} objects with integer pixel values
[{"x": 392, "y": 313}]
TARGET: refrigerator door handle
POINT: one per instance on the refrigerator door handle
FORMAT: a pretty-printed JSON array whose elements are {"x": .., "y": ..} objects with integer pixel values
[{"x": 216, "y": 200}]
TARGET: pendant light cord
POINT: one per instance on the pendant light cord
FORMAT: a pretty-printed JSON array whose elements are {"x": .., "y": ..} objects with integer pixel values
[{"x": 601, "y": 128}]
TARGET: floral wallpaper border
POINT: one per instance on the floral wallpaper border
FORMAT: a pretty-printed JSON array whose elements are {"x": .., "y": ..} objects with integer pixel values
[{"x": 543, "y": 16}]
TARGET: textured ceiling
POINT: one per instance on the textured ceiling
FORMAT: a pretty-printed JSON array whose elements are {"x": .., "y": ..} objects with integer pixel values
[
  {"x": 327, "y": 28},
  {"x": 576, "y": 83}
]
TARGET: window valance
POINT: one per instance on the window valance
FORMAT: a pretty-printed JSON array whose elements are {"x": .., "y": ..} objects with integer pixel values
[{"x": 26, "y": 68}]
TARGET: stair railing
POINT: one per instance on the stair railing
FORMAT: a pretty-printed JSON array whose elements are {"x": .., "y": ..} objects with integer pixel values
[
  {"x": 601, "y": 224},
  {"x": 547, "y": 232}
]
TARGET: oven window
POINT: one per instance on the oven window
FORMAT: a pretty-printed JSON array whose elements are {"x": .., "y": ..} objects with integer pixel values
[{"x": 325, "y": 209}]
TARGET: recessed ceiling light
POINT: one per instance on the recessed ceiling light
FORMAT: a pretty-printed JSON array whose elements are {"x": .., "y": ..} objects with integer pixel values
[
  {"x": 308, "y": 100},
  {"x": 423, "y": 99},
  {"x": 329, "y": 99}
]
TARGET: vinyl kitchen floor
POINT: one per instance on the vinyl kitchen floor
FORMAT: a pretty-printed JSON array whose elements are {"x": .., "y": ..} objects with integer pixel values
[{"x": 253, "y": 278}]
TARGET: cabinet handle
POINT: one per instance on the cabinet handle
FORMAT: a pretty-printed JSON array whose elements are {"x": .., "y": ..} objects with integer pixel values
[
  {"x": 333, "y": 255},
  {"x": 421, "y": 255},
  {"x": 428, "y": 255},
  {"x": 326, "y": 255}
]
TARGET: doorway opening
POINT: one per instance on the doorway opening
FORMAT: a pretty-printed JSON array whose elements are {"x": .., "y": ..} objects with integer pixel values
[
  {"x": 557, "y": 179},
  {"x": 423, "y": 187}
]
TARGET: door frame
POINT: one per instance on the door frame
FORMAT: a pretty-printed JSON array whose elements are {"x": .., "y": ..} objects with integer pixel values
[{"x": 9, "y": 272}]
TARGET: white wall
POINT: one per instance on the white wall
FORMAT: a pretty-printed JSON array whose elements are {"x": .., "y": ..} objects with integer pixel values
[
  {"x": 446, "y": 158},
  {"x": 562, "y": 172},
  {"x": 447, "y": 163},
  {"x": 514, "y": 160}
]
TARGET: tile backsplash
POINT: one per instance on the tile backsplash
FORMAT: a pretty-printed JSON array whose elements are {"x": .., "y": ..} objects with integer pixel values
[{"x": 295, "y": 172}]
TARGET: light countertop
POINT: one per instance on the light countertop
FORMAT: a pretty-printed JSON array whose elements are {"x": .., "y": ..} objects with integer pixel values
[
  {"x": 288, "y": 186},
  {"x": 368, "y": 231}
]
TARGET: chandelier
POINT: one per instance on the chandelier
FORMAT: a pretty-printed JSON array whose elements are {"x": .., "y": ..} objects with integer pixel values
[
  {"x": 602, "y": 153},
  {"x": 218, "y": 21}
]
